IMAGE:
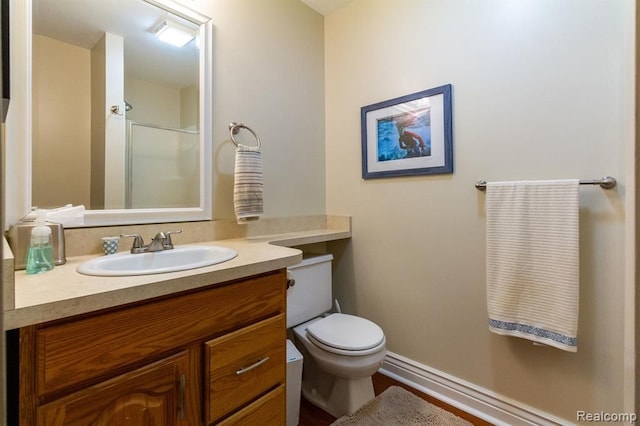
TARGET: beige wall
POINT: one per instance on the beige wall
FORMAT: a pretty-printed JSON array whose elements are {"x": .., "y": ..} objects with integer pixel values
[
  {"x": 61, "y": 85},
  {"x": 268, "y": 73},
  {"x": 541, "y": 90},
  {"x": 114, "y": 125},
  {"x": 189, "y": 107},
  {"x": 635, "y": 159},
  {"x": 99, "y": 124},
  {"x": 153, "y": 103}
]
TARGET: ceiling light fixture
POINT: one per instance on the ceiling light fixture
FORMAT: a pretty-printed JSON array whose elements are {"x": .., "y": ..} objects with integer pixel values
[{"x": 174, "y": 33}]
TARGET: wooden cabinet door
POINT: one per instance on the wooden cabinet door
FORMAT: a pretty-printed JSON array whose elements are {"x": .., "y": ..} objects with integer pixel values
[{"x": 159, "y": 394}]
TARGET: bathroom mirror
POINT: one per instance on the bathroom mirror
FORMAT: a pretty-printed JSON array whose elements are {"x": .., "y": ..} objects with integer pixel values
[{"x": 120, "y": 119}]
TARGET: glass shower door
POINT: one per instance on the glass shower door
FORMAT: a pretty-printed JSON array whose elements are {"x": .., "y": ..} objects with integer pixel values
[{"x": 162, "y": 167}]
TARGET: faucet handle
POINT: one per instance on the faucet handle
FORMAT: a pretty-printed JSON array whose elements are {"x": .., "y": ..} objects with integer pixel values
[
  {"x": 160, "y": 236},
  {"x": 167, "y": 241},
  {"x": 138, "y": 242}
]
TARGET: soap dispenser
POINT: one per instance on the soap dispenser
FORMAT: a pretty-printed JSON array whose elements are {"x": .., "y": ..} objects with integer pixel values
[{"x": 40, "y": 255}]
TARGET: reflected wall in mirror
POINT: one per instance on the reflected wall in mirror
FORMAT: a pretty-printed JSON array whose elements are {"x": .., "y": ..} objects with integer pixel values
[{"x": 116, "y": 111}]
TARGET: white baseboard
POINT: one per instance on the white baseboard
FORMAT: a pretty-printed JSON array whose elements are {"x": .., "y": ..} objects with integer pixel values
[{"x": 480, "y": 402}]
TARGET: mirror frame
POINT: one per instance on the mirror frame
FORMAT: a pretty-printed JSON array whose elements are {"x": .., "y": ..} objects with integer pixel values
[{"x": 20, "y": 156}]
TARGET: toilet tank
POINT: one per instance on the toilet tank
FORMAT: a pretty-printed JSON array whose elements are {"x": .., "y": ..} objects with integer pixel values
[{"x": 311, "y": 294}]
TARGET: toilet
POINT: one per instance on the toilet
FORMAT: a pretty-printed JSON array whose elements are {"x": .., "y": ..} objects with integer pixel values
[{"x": 340, "y": 352}]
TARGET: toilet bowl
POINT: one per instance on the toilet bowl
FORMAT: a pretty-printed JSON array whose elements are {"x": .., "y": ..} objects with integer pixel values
[
  {"x": 341, "y": 352},
  {"x": 339, "y": 362}
]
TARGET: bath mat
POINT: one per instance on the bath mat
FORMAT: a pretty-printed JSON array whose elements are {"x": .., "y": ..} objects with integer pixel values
[{"x": 396, "y": 406}]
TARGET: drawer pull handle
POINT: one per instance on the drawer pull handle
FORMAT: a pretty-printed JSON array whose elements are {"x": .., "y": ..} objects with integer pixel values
[
  {"x": 252, "y": 366},
  {"x": 181, "y": 397}
]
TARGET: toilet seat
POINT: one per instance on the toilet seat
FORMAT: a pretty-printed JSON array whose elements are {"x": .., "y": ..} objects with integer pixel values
[{"x": 345, "y": 334}]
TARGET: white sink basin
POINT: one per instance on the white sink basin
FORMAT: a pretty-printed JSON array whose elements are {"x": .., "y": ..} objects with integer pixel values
[{"x": 178, "y": 259}]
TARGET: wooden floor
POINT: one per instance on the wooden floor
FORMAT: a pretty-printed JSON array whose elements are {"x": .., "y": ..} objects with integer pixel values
[{"x": 311, "y": 415}]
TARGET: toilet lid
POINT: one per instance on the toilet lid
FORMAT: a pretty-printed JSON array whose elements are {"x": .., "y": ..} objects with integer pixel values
[{"x": 346, "y": 332}]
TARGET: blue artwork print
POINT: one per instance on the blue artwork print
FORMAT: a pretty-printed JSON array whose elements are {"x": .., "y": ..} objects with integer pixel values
[{"x": 406, "y": 135}]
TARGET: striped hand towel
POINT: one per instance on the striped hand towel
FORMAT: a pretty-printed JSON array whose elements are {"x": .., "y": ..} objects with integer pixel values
[
  {"x": 247, "y": 184},
  {"x": 533, "y": 260}
]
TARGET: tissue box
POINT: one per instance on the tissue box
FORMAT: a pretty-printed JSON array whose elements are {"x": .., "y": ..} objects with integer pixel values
[{"x": 19, "y": 237}]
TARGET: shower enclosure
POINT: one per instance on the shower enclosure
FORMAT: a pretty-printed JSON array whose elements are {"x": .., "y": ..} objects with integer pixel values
[{"x": 162, "y": 167}]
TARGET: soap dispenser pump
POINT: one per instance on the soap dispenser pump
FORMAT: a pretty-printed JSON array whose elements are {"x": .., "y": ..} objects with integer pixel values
[{"x": 40, "y": 255}]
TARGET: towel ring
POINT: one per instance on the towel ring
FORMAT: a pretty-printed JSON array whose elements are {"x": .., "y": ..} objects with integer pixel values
[{"x": 234, "y": 129}]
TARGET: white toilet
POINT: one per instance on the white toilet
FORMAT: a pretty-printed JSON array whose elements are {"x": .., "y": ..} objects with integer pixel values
[{"x": 341, "y": 352}]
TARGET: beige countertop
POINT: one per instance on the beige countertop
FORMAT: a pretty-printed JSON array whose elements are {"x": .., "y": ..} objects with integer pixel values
[{"x": 63, "y": 292}]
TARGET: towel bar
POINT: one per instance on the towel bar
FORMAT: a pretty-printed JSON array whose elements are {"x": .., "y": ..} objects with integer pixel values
[
  {"x": 234, "y": 129},
  {"x": 606, "y": 182}
]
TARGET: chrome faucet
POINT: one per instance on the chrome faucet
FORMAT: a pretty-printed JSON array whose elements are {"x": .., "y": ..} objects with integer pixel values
[{"x": 161, "y": 241}]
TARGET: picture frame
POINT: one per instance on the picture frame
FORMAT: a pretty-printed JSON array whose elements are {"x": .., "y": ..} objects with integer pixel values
[{"x": 407, "y": 136}]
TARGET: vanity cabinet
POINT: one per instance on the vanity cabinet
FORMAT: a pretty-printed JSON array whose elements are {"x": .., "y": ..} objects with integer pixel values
[{"x": 211, "y": 356}]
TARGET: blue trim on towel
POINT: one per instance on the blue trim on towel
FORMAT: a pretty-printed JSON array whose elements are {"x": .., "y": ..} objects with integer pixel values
[{"x": 535, "y": 331}]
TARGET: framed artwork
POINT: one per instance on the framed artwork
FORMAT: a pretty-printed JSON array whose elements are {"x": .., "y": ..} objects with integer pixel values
[{"x": 407, "y": 136}]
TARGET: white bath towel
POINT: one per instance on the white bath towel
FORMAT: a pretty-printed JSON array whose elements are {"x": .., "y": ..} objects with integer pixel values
[
  {"x": 533, "y": 260},
  {"x": 247, "y": 184}
]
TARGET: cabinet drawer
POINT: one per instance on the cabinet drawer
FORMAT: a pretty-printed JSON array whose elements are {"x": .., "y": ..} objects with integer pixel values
[
  {"x": 86, "y": 351},
  {"x": 270, "y": 410},
  {"x": 243, "y": 365}
]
